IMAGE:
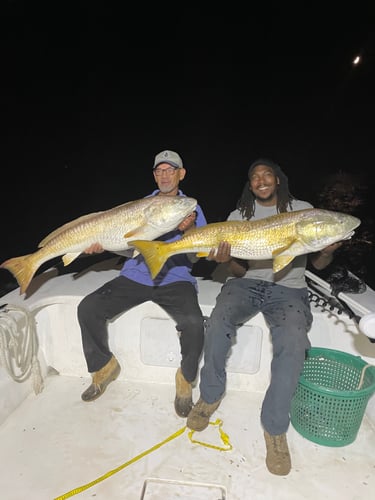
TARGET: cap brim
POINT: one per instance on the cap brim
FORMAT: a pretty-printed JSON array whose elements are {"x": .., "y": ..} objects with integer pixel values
[{"x": 171, "y": 163}]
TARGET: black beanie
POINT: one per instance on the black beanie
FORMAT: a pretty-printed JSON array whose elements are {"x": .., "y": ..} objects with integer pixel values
[{"x": 269, "y": 163}]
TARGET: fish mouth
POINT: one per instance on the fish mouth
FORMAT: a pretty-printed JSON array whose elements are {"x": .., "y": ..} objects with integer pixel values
[{"x": 348, "y": 236}]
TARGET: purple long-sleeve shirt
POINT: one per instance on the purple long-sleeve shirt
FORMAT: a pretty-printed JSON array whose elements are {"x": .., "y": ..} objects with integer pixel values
[{"x": 177, "y": 268}]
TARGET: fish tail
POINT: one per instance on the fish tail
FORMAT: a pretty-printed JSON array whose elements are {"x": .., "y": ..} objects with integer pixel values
[
  {"x": 154, "y": 252},
  {"x": 22, "y": 268}
]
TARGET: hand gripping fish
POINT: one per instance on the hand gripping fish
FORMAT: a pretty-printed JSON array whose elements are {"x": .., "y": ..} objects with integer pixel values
[
  {"x": 279, "y": 237},
  {"x": 146, "y": 218}
]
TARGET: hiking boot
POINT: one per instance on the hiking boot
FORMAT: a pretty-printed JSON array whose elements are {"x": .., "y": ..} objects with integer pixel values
[
  {"x": 101, "y": 379},
  {"x": 199, "y": 417},
  {"x": 278, "y": 457},
  {"x": 183, "y": 402}
]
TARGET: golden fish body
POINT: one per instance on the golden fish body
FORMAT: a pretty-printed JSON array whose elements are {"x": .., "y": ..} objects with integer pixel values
[
  {"x": 279, "y": 237},
  {"x": 146, "y": 218}
]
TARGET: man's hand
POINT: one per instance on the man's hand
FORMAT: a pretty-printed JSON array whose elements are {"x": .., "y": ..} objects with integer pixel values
[
  {"x": 331, "y": 248},
  {"x": 188, "y": 222},
  {"x": 94, "y": 248},
  {"x": 222, "y": 254},
  {"x": 322, "y": 259}
]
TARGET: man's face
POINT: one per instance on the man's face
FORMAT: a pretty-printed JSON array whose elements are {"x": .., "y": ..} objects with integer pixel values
[
  {"x": 168, "y": 178},
  {"x": 263, "y": 183}
]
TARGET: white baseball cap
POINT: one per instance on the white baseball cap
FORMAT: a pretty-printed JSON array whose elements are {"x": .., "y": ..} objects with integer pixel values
[{"x": 170, "y": 157}]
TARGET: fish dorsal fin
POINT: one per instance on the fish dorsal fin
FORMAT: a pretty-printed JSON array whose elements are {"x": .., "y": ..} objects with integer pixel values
[{"x": 65, "y": 227}]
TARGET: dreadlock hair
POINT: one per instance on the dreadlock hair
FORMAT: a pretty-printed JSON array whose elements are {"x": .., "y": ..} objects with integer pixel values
[{"x": 246, "y": 203}]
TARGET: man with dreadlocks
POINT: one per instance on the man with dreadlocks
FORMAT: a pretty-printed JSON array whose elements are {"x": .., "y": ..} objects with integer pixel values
[{"x": 283, "y": 300}]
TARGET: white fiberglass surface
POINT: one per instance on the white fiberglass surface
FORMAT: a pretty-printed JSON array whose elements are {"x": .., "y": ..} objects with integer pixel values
[{"x": 129, "y": 444}]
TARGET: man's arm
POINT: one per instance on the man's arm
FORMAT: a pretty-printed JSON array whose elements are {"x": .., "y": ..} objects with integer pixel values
[
  {"x": 188, "y": 222},
  {"x": 322, "y": 259},
  {"x": 236, "y": 267}
]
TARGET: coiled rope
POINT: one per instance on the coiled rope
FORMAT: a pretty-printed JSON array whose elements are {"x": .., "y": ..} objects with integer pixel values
[{"x": 19, "y": 345}]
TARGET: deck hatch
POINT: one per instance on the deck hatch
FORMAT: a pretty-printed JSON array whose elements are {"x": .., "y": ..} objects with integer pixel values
[{"x": 181, "y": 490}]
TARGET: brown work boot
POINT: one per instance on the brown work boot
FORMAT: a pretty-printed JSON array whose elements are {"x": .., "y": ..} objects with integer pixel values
[
  {"x": 101, "y": 379},
  {"x": 199, "y": 417},
  {"x": 278, "y": 457},
  {"x": 183, "y": 402}
]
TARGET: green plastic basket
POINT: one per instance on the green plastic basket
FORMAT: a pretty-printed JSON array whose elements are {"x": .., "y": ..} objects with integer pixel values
[{"x": 331, "y": 397}]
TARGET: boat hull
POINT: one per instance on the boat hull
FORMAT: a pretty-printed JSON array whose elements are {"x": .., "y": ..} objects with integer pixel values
[{"x": 124, "y": 445}]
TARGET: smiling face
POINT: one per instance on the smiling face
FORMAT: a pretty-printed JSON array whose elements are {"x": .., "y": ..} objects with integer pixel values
[
  {"x": 263, "y": 184},
  {"x": 168, "y": 178}
]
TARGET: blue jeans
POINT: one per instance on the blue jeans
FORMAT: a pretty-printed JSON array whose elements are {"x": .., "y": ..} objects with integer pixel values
[
  {"x": 288, "y": 315},
  {"x": 119, "y": 295}
]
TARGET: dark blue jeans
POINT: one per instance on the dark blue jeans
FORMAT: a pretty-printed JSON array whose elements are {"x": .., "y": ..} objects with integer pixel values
[
  {"x": 119, "y": 295},
  {"x": 288, "y": 315}
]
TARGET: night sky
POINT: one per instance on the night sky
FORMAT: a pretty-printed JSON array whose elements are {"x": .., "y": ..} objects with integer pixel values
[{"x": 91, "y": 94}]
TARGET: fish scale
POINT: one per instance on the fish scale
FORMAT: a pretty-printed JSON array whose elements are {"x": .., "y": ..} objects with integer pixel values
[
  {"x": 146, "y": 218},
  {"x": 279, "y": 237}
]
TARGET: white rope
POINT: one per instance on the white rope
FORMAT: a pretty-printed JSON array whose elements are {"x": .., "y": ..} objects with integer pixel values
[
  {"x": 19, "y": 345},
  {"x": 362, "y": 379}
]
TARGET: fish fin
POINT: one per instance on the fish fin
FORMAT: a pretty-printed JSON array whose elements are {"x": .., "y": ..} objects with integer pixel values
[
  {"x": 280, "y": 261},
  {"x": 134, "y": 232},
  {"x": 65, "y": 227},
  {"x": 154, "y": 253},
  {"x": 23, "y": 269},
  {"x": 202, "y": 254},
  {"x": 69, "y": 257}
]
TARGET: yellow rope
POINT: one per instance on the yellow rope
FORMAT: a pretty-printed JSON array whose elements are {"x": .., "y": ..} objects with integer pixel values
[{"x": 224, "y": 438}]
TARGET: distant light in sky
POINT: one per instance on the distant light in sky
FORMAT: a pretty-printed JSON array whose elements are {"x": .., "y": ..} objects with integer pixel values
[{"x": 356, "y": 60}]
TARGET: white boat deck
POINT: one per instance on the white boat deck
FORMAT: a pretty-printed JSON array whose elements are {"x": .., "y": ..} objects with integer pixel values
[
  {"x": 53, "y": 444},
  {"x": 124, "y": 445}
]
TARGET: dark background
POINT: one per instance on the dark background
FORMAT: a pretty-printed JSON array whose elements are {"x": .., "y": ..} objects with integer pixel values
[{"x": 91, "y": 92}]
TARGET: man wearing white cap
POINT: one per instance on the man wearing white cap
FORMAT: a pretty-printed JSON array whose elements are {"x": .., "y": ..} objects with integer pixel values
[{"x": 174, "y": 289}]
